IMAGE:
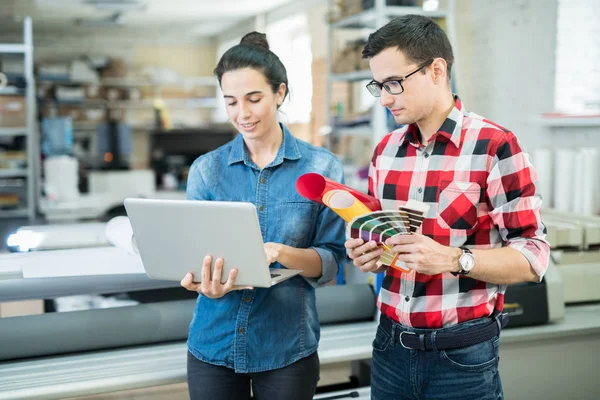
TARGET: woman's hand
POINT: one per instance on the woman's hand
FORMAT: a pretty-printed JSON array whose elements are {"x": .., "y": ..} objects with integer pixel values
[
  {"x": 212, "y": 288},
  {"x": 273, "y": 251},
  {"x": 365, "y": 256}
]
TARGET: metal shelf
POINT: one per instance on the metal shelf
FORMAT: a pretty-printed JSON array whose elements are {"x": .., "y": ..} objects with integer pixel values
[
  {"x": 573, "y": 120},
  {"x": 14, "y": 213},
  {"x": 13, "y": 173},
  {"x": 369, "y": 20},
  {"x": 14, "y": 48},
  {"x": 14, "y": 131},
  {"x": 369, "y": 17},
  {"x": 352, "y": 76},
  {"x": 29, "y": 131}
]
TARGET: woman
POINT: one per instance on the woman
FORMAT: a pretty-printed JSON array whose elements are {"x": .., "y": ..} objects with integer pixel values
[{"x": 264, "y": 339}]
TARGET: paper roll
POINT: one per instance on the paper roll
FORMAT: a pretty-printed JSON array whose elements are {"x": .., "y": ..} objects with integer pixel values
[
  {"x": 120, "y": 234},
  {"x": 587, "y": 189},
  {"x": 313, "y": 186},
  {"x": 564, "y": 168},
  {"x": 61, "y": 174},
  {"x": 344, "y": 204},
  {"x": 542, "y": 162}
]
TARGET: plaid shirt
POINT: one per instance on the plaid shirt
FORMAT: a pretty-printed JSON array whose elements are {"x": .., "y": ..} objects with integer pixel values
[{"x": 481, "y": 189}]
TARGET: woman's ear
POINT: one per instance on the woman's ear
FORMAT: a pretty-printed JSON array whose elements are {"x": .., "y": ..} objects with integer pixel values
[{"x": 280, "y": 95}]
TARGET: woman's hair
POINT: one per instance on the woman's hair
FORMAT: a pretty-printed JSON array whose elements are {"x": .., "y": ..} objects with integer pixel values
[{"x": 253, "y": 52}]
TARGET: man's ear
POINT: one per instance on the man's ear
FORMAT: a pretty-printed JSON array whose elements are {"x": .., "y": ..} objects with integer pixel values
[{"x": 440, "y": 70}]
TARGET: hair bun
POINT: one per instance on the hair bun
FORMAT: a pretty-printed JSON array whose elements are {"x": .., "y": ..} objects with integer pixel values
[{"x": 255, "y": 39}]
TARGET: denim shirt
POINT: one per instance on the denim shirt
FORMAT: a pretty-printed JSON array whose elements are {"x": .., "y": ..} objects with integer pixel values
[{"x": 267, "y": 328}]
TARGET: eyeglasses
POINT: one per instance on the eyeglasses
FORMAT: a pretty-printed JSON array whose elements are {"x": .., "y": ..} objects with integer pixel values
[{"x": 393, "y": 86}]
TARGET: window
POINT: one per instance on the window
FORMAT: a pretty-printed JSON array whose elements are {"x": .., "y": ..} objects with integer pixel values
[
  {"x": 290, "y": 40},
  {"x": 220, "y": 112},
  {"x": 577, "y": 82}
]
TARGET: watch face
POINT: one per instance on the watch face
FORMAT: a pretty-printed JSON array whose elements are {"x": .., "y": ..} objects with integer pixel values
[{"x": 467, "y": 262}]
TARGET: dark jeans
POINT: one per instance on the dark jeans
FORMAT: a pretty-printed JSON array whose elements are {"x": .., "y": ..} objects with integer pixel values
[
  {"x": 468, "y": 373},
  {"x": 297, "y": 381}
]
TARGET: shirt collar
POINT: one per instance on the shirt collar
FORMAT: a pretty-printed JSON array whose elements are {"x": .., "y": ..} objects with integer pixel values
[
  {"x": 451, "y": 129},
  {"x": 288, "y": 149}
]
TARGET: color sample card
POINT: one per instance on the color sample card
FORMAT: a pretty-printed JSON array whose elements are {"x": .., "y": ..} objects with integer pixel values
[{"x": 381, "y": 225}]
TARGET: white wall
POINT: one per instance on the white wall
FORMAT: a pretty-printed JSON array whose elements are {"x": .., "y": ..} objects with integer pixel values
[{"x": 507, "y": 62}]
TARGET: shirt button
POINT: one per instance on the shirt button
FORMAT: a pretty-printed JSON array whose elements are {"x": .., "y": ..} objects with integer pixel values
[
  {"x": 420, "y": 190},
  {"x": 241, "y": 330},
  {"x": 262, "y": 180},
  {"x": 407, "y": 298},
  {"x": 248, "y": 299},
  {"x": 260, "y": 208},
  {"x": 426, "y": 155}
]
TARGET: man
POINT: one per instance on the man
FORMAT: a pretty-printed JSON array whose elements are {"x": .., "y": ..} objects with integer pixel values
[{"x": 439, "y": 330}]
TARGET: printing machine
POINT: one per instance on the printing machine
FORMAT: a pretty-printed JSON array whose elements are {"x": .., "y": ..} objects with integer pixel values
[
  {"x": 575, "y": 241},
  {"x": 80, "y": 353}
]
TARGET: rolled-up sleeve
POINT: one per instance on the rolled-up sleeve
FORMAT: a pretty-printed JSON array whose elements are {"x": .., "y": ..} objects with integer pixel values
[
  {"x": 329, "y": 236},
  {"x": 515, "y": 203}
]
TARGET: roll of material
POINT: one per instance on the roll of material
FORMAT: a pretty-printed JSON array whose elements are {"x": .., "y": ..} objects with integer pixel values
[
  {"x": 62, "y": 178},
  {"x": 564, "y": 168},
  {"x": 542, "y": 162},
  {"x": 68, "y": 332},
  {"x": 120, "y": 234},
  {"x": 77, "y": 331},
  {"x": 346, "y": 303},
  {"x": 586, "y": 182}
]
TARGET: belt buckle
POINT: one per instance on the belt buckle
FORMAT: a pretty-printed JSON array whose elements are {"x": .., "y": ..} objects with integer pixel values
[{"x": 402, "y": 343}]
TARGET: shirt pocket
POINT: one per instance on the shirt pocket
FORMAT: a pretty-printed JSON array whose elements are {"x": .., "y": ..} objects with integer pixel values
[
  {"x": 457, "y": 204},
  {"x": 295, "y": 222}
]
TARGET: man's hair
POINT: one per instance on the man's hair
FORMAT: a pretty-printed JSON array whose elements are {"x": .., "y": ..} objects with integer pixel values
[{"x": 419, "y": 38}]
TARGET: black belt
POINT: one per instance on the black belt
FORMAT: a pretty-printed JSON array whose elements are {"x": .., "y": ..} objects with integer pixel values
[{"x": 447, "y": 340}]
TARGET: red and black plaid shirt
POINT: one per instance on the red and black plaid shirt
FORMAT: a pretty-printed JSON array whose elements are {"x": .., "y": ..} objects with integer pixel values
[{"x": 481, "y": 188}]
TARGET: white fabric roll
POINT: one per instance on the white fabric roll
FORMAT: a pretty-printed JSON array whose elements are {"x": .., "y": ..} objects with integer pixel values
[
  {"x": 564, "y": 168},
  {"x": 61, "y": 178},
  {"x": 542, "y": 162},
  {"x": 588, "y": 181},
  {"x": 119, "y": 234}
]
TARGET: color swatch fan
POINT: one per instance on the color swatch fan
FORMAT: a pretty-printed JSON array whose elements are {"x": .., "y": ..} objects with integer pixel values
[{"x": 381, "y": 225}]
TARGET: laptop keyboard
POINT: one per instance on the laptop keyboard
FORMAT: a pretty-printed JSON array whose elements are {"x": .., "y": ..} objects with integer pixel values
[{"x": 275, "y": 275}]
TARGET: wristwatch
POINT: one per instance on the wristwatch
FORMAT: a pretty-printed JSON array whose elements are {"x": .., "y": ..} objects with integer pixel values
[{"x": 466, "y": 262}]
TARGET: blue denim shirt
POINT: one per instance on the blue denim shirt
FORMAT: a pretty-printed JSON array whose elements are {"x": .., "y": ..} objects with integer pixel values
[{"x": 264, "y": 329}]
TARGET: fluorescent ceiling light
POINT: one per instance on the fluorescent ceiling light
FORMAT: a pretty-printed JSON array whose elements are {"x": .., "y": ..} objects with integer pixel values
[
  {"x": 117, "y": 6},
  {"x": 112, "y": 21}
]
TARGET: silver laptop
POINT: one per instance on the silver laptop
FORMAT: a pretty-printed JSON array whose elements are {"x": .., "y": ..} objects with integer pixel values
[{"x": 173, "y": 236}]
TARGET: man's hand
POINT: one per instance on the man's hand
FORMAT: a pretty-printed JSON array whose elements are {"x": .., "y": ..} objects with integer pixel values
[
  {"x": 365, "y": 255},
  {"x": 212, "y": 288},
  {"x": 423, "y": 254}
]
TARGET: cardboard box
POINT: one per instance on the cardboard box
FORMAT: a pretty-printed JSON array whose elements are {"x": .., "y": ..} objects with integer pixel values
[
  {"x": 93, "y": 91},
  {"x": 13, "y": 111},
  {"x": 21, "y": 308},
  {"x": 117, "y": 68},
  {"x": 69, "y": 110}
]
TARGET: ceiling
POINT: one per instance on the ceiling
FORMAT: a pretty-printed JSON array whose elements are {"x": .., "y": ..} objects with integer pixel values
[{"x": 190, "y": 18}]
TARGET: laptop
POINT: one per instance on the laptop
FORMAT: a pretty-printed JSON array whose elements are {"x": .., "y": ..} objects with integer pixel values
[{"x": 174, "y": 236}]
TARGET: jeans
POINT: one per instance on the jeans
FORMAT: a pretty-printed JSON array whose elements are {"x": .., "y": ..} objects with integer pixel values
[
  {"x": 465, "y": 373},
  {"x": 297, "y": 381}
]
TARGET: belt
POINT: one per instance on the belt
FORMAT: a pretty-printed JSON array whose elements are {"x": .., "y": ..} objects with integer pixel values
[{"x": 446, "y": 340}]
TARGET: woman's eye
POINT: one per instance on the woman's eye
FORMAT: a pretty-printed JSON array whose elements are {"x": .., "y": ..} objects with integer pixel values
[
  {"x": 231, "y": 104},
  {"x": 254, "y": 100}
]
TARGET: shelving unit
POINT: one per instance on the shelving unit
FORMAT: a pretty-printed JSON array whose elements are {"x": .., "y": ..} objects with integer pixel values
[
  {"x": 371, "y": 19},
  {"x": 28, "y": 203}
]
